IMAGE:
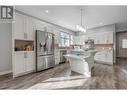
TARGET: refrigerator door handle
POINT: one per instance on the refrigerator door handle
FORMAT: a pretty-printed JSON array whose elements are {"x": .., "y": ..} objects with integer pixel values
[
  {"x": 44, "y": 46},
  {"x": 40, "y": 45}
]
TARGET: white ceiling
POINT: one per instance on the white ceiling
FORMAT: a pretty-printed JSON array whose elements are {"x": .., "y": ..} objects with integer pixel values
[{"x": 69, "y": 16}]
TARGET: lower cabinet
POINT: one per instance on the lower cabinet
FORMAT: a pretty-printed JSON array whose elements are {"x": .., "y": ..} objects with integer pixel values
[
  {"x": 19, "y": 63},
  {"x": 30, "y": 62},
  {"x": 105, "y": 56},
  {"x": 57, "y": 61},
  {"x": 57, "y": 57},
  {"x": 24, "y": 62},
  {"x": 109, "y": 57}
]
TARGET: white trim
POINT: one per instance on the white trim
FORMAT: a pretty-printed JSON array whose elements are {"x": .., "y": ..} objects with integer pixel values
[{"x": 5, "y": 72}]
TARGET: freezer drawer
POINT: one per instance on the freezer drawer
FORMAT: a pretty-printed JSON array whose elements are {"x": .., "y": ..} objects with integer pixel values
[{"x": 45, "y": 62}]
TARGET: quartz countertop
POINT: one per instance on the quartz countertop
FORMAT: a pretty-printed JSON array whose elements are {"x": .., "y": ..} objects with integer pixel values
[{"x": 76, "y": 56}]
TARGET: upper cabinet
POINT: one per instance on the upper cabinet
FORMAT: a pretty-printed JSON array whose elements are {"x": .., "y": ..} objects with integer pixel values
[
  {"x": 56, "y": 33},
  {"x": 98, "y": 37},
  {"x": 19, "y": 26},
  {"x": 23, "y": 27},
  {"x": 79, "y": 40},
  {"x": 102, "y": 37},
  {"x": 110, "y": 37},
  {"x": 30, "y": 28}
]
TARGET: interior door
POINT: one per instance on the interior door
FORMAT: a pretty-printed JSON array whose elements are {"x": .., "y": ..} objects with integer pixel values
[
  {"x": 50, "y": 43},
  {"x": 122, "y": 44}
]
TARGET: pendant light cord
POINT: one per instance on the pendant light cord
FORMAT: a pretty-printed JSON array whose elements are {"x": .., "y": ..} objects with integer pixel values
[{"x": 81, "y": 16}]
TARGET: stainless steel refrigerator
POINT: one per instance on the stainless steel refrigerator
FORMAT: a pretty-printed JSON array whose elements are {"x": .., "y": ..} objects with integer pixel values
[{"x": 44, "y": 50}]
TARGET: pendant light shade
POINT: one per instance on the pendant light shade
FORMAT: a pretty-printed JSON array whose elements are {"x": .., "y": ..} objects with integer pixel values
[{"x": 80, "y": 27}]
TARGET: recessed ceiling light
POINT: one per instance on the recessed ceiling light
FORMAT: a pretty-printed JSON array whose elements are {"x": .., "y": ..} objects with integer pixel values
[{"x": 46, "y": 11}]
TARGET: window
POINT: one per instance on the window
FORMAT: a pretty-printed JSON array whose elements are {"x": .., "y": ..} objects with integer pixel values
[
  {"x": 65, "y": 39},
  {"x": 124, "y": 43}
]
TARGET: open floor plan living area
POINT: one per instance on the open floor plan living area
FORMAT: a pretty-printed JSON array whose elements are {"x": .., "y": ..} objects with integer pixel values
[{"x": 63, "y": 47}]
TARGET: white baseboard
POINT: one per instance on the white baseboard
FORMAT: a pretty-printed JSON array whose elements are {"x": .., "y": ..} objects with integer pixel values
[{"x": 5, "y": 72}]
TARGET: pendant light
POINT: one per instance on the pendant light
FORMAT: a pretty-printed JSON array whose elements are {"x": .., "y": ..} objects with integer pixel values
[{"x": 80, "y": 27}]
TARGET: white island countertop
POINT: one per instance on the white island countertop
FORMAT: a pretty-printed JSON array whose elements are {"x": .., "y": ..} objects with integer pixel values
[
  {"x": 81, "y": 61},
  {"x": 76, "y": 56}
]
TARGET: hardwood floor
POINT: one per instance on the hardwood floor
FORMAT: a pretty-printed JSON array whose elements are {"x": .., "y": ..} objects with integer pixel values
[{"x": 60, "y": 77}]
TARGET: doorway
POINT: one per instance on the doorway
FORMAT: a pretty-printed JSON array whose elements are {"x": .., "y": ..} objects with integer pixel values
[
  {"x": 121, "y": 49},
  {"x": 121, "y": 44}
]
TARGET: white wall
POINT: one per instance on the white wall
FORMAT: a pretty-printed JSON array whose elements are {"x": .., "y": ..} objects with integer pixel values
[{"x": 5, "y": 48}]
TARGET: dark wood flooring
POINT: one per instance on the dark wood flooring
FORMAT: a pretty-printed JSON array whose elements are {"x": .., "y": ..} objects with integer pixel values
[{"x": 60, "y": 77}]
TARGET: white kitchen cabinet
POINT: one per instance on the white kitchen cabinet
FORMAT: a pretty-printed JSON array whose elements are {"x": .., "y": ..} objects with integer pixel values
[
  {"x": 100, "y": 56},
  {"x": 102, "y": 37},
  {"x": 109, "y": 57},
  {"x": 56, "y": 33},
  {"x": 19, "y": 63},
  {"x": 24, "y": 62},
  {"x": 79, "y": 40},
  {"x": 106, "y": 38},
  {"x": 19, "y": 26},
  {"x": 57, "y": 56},
  {"x": 110, "y": 38},
  {"x": 75, "y": 40},
  {"x": 30, "y": 28},
  {"x": 30, "y": 61},
  {"x": 104, "y": 56},
  {"x": 24, "y": 27},
  {"x": 96, "y": 39},
  {"x": 57, "y": 61}
]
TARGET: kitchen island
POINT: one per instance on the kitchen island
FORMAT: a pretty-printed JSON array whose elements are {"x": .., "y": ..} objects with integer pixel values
[{"x": 81, "y": 61}]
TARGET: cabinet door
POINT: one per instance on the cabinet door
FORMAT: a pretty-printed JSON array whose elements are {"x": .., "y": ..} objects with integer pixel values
[
  {"x": 57, "y": 57},
  {"x": 95, "y": 39},
  {"x": 56, "y": 36},
  {"x": 75, "y": 40},
  {"x": 109, "y": 57},
  {"x": 19, "y": 26},
  {"x": 100, "y": 56},
  {"x": 110, "y": 37},
  {"x": 57, "y": 61},
  {"x": 19, "y": 63},
  {"x": 30, "y": 63},
  {"x": 101, "y": 38},
  {"x": 30, "y": 29},
  {"x": 57, "y": 54}
]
